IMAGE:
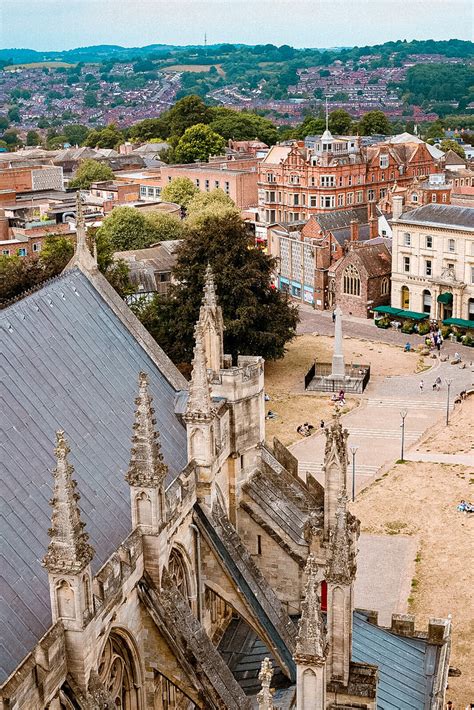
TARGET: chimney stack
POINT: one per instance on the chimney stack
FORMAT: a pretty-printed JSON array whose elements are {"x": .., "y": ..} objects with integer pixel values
[
  {"x": 4, "y": 226},
  {"x": 354, "y": 230},
  {"x": 373, "y": 222},
  {"x": 397, "y": 209}
]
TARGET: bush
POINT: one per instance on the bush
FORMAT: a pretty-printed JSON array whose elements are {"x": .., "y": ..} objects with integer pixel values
[
  {"x": 383, "y": 322},
  {"x": 423, "y": 327},
  {"x": 407, "y": 326},
  {"x": 446, "y": 330},
  {"x": 468, "y": 340}
]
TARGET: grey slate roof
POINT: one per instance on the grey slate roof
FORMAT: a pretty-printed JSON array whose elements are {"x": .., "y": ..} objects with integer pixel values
[
  {"x": 67, "y": 361},
  {"x": 406, "y": 665},
  {"x": 441, "y": 215}
]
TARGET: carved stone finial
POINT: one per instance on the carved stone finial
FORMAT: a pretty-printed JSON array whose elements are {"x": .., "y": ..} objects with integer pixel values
[
  {"x": 336, "y": 440},
  {"x": 311, "y": 639},
  {"x": 341, "y": 564},
  {"x": 199, "y": 406},
  {"x": 68, "y": 550},
  {"x": 82, "y": 256},
  {"x": 210, "y": 298},
  {"x": 265, "y": 696},
  {"x": 147, "y": 467}
]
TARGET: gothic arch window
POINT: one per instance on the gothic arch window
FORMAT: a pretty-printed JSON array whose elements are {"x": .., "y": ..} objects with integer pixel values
[
  {"x": 351, "y": 281},
  {"x": 178, "y": 573},
  {"x": 119, "y": 675},
  {"x": 143, "y": 504},
  {"x": 384, "y": 287}
]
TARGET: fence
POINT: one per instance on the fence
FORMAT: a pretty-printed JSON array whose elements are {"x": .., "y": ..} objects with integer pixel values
[{"x": 318, "y": 378}]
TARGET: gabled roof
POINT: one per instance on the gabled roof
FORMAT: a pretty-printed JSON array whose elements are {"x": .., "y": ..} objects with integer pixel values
[
  {"x": 276, "y": 154},
  {"x": 452, "y": 158},
  {"x": 70, "y": 360},
  {"x": 374, "y": 258}
]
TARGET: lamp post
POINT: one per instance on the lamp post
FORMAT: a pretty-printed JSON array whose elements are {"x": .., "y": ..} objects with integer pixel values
[
  {"x": 403, "y": 414},
  {"x": 353, "y": 450},
  {"x": 448, "y": 382}
]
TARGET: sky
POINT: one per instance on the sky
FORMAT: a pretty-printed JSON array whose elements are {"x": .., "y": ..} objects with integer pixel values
[{"x": 66, "y": 24}]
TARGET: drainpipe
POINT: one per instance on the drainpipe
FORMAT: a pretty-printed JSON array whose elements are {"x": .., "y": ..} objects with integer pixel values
[{"x": 197, "y": 540}]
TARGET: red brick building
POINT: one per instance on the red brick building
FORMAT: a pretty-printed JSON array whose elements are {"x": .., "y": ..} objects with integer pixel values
[{"x": 295, "y": 182}]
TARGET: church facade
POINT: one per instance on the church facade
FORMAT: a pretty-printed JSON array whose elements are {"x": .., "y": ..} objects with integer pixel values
[{"x": 188, "y": 564}]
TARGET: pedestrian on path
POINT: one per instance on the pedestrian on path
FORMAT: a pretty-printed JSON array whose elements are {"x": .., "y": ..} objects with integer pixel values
[{"x": 422, "y": 384}]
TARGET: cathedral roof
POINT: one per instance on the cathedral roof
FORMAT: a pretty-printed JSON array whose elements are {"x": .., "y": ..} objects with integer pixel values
[{"x": 71, "y": 355}]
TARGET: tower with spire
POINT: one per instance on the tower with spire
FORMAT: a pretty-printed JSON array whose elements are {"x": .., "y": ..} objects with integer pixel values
[
  {"x": 335, "y": 471},
  {"x": 69, "y": 553},
  {"x": 311, "y": 646},
  {"x": 82, "y": 256},
  {"x": 340, "y": 575},
  {"x": 147, "y": 470}
]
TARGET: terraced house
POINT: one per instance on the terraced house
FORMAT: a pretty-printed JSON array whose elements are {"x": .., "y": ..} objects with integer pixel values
[{"x": 187, "y": 563}]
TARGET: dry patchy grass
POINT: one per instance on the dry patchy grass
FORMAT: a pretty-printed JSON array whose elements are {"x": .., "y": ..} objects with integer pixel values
[
  {"x": 458, "y": 438},
  {"x": 421, "y": 499}
]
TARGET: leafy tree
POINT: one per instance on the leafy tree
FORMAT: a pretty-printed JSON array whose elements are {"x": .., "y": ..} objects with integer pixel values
[
  {"x": 32, "y": 138},
  {"x": 198, "y": 143},
  {"x": 127, "y": 228},
  {"x": 76, "y": 133},
  {"x": 90, "y": 171},
  {"x": 90, "y": 99},
  {"x": 242, "y": 125},
  {"x": 167, "y": 226},
  {"x": 14, "y": 115},
  {"x": 454, "y": 146},
  {"x": 149, "y": 129},
  {"x": 186, "y": 112},
  {"x": 374, "y": 122},
  {"x": 57, "y": 251},
  {"x": 4, "y": 123},
  {"x": 180, "y": 190},
  {"x": 17, "y": 274},
  {"x": 11, "y": 138},
  {"x": 259, "y": 320},
  {"x": 209, "y": 200},
  {"x": 108, "y": 137},
  {"x": 340, "y": 122}
]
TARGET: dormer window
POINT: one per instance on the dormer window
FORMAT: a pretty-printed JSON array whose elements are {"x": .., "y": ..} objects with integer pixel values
[{"x": 384, "y": 161}]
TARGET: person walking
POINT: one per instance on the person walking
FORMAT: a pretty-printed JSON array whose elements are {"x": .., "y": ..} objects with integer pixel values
[{"x": 421, "y": 385}]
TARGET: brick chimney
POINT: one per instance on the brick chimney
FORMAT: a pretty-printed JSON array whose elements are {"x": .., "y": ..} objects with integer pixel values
[
  {"x": 397, "y": 208},
  {"x": 373, "y": 222},
  {"x": 354, "y": 230}
]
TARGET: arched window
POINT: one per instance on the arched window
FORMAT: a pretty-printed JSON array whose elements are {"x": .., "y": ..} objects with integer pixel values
[
  {"x": 351, "y": 281},
  {"x": 66, "y": 600},
  {"x": 385, "y": 286},
  {"x": 118, "y": 674},
  {"x": 405, "y": 297},
  {"x": 178, "y": 573}
]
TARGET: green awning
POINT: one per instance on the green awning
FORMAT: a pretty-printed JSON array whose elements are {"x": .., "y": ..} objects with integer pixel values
[
  {"x": 459, "y": 322},
  {"x": 387, "y": 309},
  {"x": 413, "y": 315},
  {"x": 445, "y": 297}
]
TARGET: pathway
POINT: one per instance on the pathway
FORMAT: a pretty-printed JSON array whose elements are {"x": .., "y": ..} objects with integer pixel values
[{"x": 375, "y": 426}]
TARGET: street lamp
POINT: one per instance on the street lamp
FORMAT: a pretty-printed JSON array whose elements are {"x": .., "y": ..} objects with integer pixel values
[
  {"x": 403, "y": 414},
  {"x": 448, "y": 382},
  {"x": 353, "y": 450}
]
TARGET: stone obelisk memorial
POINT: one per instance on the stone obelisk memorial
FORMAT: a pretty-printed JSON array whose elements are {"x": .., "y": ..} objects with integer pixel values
[{"x": 338, "y": 365}]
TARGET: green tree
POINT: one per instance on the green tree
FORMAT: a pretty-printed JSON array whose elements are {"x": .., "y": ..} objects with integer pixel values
[
  {"x": 32, "y": 138},
  {"x": 90, "y": 171},
  {"x": 454, "y": 146},
  {"x": 148, "y": 129},
  {"x": 90, "y": 99},
  {"x": 4, "y": 123},
  {"x": 216, "y": 199},
  {"x": 76, "y": 133},
  {"x": 180, "y": 190},
  {"x": 373, "y": 123},
  {"x": 127, "y": 228},
  {"x": 242, "y": 125},
  {"x": 11, "y": 138},
  {"x": 167, "y": 226},
  {"x": 17, "y": 274},
  {"x": 14, "y": 115},
  {"x": 340, "y": 122},
  {"x": 198, "y": 143},
  {"x": 56, "y": 252},
  {"x": 259, "y": 320},
  {"x": 108, "y": 137},
  {"x": 186, "y": 112}
]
